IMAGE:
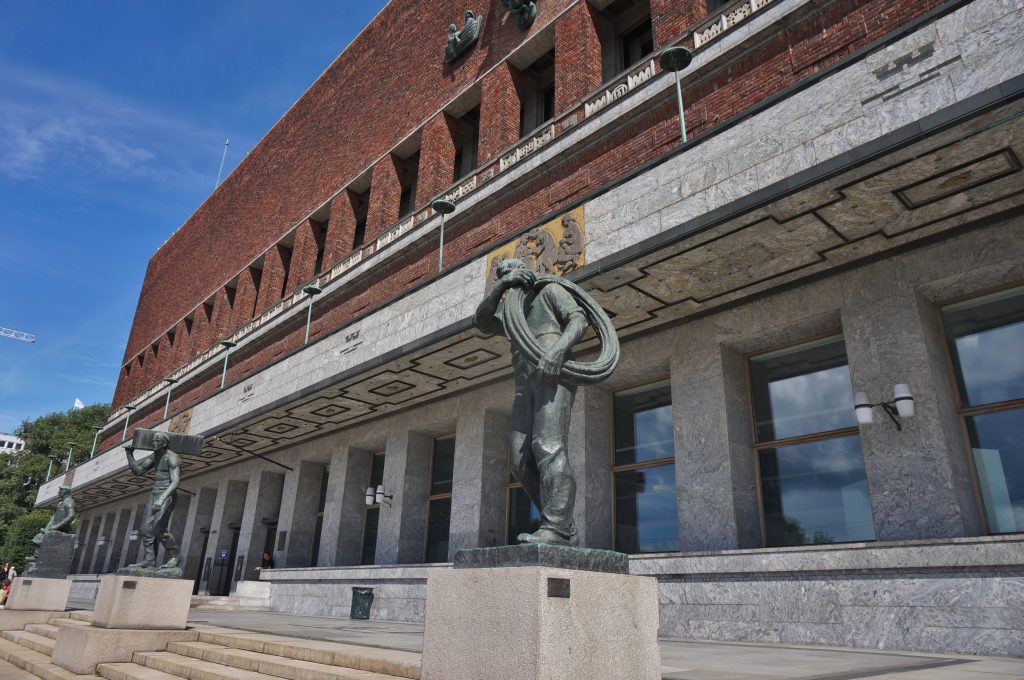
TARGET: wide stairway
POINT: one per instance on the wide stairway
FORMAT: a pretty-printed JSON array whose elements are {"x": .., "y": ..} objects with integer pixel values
[{"x": 218, "y": 654}]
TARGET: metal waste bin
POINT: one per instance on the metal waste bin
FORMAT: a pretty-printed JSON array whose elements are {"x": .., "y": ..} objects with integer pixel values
[{"x": 362, "y": 598}]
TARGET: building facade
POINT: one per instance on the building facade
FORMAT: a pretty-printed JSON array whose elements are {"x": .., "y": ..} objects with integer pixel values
[
  {"x": 842, "y": 227},
  {"x": 10, "y": 443}
]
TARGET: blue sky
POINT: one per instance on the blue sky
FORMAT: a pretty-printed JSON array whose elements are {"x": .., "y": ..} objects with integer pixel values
[{"x": 113, "y": 117}]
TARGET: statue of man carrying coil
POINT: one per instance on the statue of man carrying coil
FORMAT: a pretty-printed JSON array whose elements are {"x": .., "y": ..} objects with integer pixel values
[{"x": 543, "y": 317}]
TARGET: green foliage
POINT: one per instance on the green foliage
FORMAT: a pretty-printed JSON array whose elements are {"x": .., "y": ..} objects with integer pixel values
[
  {"x": 47, "y": 437},
  {"x": 18, "y": 547}
]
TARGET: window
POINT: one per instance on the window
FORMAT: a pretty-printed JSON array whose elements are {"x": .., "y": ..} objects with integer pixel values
[
  {"x": 371, "y": 519},
  {"x": 537, "y": 94},
  {"x": 644, "y": 471},
  {"x": 408, "y": 176},
  {"x": 626, "y": 35},
  {"x": 320, "y": 236},
  {"x": 439, "y": 499},
  {"x": 637, "y": 44},
  {"x": 466, "y": 139},
  {"x": 813, "y": 485},
  {"x": 985, "y": 337},
  {"x": 715, "y": 5},
  {"x": 318, "y": 516}
]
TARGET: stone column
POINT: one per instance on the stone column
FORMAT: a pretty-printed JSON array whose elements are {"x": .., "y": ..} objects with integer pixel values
[
  {"x": 341, "y": 229},
  {"x": 500, "y": 102},
  {"x": 341, "y": 538},
  {"x": 130, "y": 550},
  {"x": 437, "y": 156},
  {"x": 670, "y": 19},
  {"x": 298, "y": 505},
  {"x": 272, "y": 279},
  {"x": 307, "y": 243},
  {"x": 919, "y": 478},
  {"x": 227, "y": 515},
  {"x": 715, "y": 478},
  {"x": 263, "y": 502},
  {"x": 385, "y": 196},
  {"x": 590, "y": 457},
  {"x": 403, "y": 525},
  {"x": 198, "y": 519},
  {"x": 480, "y": 481},
  {"x": 82, "y": 542},
  {"x": 577, "y": 56},
  {"x": 119, "y": 538}
]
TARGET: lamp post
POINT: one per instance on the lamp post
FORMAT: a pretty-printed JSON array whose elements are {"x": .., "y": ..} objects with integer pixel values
[
  {"x": 49, "y": 468},
  {"x": 128, "y": 415},
  {"x": 443, "y": 208},
  {"x": 67, "y": 462},
  {"x": 95, "y": 439},
  {"x": 676, "y": 59},
  {"x": 312, "y": 291},
  {"x": 227, "y": 345},
  {"x": 170, "y": 386}
]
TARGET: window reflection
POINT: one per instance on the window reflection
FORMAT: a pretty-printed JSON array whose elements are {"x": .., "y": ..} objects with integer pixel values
[
  {"x": 438, "y": 522},
  {"x": 643, "y": 426},
  {"x": 986, "y": 337},
  {"x": 372, "y": 517},
  {"x": 439, "y": 499},
  {"x": 996, "y": 442}
]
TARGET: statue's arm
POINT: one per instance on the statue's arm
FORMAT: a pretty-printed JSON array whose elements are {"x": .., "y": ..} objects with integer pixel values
[
  {"x": 137, "y": 468},
  {"x": 486, "y": 317}
]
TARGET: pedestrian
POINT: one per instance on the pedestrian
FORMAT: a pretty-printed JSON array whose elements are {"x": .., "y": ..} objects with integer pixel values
[
  {"x": 267, "y": 563},
  {"x": 3, "y": 571},
  {"x": 12, "y": 573}
]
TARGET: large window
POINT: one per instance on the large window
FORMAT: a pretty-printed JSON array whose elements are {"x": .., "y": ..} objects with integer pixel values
[
  {"x": 644, "y": 471},
  {"x": 371, "y": 519},
  {"x": 439, "y": 499},
  {"x": 986, "y": 342},
  {"x": 813, "y": 485}
]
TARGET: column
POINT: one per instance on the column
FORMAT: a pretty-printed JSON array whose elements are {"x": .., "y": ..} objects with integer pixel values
[
  {"x": 715, "y": 478},
  {"x": 245, "y": 297},
  {"x": 919, "y": 478},
  {"x": 177, "y": 525},
  {"x": 437, "y": 155},
  {"x": 480, "y": 481},
  {"x": 341, "y": 229},
  {"x": 80, "y": 544},
  {"x": 304, "y": 252},
  {"x": 99, "y": 563},
  {"x": 262, "y": 505},
  {"x": 577, "y": 56},
  {"x": 119, "y": 538},
  {"x": 499, "y": 111},
  {"x": 590, "y": 458},
  {"x": 130, "y": 549},
  {"x": 341, "y": 540},
  {"x": 403, "y": 525},
  {"x": 298, "y": 505},
  {"x": 227, "y": 522},
  {"x": 272, "y": 279},
  {"x": 196, "y": 532},
  {"x": 670, "y": 19},
  {"x": 385, "y": 196}
]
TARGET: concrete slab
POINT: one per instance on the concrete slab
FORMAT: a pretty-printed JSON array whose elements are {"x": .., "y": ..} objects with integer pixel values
[
  {"x": 48, "y": 594},
  {"x": 140, "y": 603}
]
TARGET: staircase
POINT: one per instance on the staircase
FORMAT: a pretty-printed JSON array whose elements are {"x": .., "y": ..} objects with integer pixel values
[{"x": 219, "y": 654}]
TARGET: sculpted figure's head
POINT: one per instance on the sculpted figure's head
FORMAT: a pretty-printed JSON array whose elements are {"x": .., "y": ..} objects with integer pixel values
[
  {"x": 508, "y": 265},
  {"x": 63, "y": 491},
  {"x": 161, "y": 440}
]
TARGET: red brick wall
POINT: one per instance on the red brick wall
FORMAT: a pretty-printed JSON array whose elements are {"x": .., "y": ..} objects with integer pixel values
[
  {"x": 577, "y": 56},
  {"x": 806, "y": 48}
]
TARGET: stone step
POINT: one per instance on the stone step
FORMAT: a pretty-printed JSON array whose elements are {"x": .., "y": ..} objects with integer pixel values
[
  {"x": 38, "y": 664},
  {"x": 131, "y": 671},
  {"x": 47, "y": 630},
  {"x": 8, "y": 671},
  {"x": 36, "y": 643},
  {"x": 391, "y": 662},
  {"x": 83, "y": 616},
  {"x": 270, "y": 664},
  {"x": 67, "y": 622}
]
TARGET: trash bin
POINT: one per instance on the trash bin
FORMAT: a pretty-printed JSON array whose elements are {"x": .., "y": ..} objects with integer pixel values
[{"x": 362, "y": 598}]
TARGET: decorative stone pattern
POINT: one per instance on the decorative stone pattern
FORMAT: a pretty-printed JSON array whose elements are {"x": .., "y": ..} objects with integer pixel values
[
  {"x": 733, "y": 15},
  {"x": 615, "y": 91}
]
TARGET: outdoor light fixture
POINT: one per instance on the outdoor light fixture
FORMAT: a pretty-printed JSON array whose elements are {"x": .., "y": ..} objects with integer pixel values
[
  {"x": 49, "y": 468},
  {"x": 312, "y": 291},
  {"x": 377, "y": 496},
  {"x": 227, "y": 345},
  {"x": 676, "y": 59},
  {"x": 170, "y": 386},
  {"x": 67, "y": 463},
  {"x": 95, "y": 438},
  {"x": 442, "y": 207},
  {"x": 128, "y": 415},
  {"x": 901, "y": 406},
  {"x": 134, "y": 536},
  {"x": 101, "y": 542}
]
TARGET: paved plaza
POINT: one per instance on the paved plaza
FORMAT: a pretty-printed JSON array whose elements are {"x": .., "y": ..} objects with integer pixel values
[{"x": 681, "y": 659}]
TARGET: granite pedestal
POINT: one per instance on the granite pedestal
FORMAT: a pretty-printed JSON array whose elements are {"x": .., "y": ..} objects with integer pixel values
[
  {"x": 519, "y": 617},
  {"x": 38, "y": 594},
  {"x": 132, "y": 614}
]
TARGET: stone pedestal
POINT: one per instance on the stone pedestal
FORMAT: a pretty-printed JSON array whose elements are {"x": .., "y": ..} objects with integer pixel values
[
  {"x": 39, "y": 594},
  {"x": 132, "y": 614},
  {"x": 519, "y": 618}
]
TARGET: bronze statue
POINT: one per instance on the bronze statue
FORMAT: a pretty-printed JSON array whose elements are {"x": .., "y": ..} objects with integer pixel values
[
  {"x": 54, "y": 545},
  {"x": 157, "y": 515},
  {"x": 461, "y": 39},
  {"x": 525, "y": 11},
  {"x": 543, "y": 317}
]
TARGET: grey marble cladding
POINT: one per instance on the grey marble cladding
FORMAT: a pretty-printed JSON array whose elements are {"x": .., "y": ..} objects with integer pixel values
[{"x": 561, "y": 557}]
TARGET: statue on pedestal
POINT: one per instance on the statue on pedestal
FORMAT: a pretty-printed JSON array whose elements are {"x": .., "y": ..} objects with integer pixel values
[
  {"x": 157, "y": 515},
  {"x": 55, "y": 547},
  {"x": 543, "y": 317}
]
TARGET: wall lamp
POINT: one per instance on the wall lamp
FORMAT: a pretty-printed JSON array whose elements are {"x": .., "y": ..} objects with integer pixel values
[
  {"x": 443, "y": 208},
  {"x": 170, "y": 386},
  {"x": 134, "y": 536},
  {"x": 227, "y": 345},
  {"x": 102, "y": 542},
  {"x": 676, "y": 59},
  {"x": 377, "y": 496},
  {"x": 901, "y": 406},
  {"x": 312, "y": 291},
  {"x": 95, "y": 439}
]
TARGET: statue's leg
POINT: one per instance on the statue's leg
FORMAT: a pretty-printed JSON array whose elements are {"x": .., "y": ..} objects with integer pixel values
[
  {"x": 552, "y": 406},
  {"x": 149, "y": 536},
  {"x": 520, "y": 434},
  {"x": 163, "y": 536}
]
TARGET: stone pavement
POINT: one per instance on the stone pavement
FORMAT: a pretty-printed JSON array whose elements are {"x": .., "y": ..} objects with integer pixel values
[{"x": 681, "y": 659}]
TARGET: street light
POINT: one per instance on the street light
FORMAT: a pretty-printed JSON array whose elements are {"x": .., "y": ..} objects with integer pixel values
[
  {"x": 676, "y": 59},
  {"x": 67, "y": 463},
  {"x": 127, "y": 415},
  {"x": 170, "y": 386},
  {"x": 443, "y": 208},
  {"x": 227, "y": 345},
  {"x": 95, "y": 439},
  {"x": 312, "y": 291}
]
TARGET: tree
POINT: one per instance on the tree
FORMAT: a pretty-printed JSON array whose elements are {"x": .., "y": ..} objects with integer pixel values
[{"x": 46, "y": 438}]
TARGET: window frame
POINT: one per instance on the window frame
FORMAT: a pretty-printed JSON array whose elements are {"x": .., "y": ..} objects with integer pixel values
[
  {"x": 964, "y": 411},
  {"x": 436, "y": 497},
  {"x": 757, "y": 447},
  {"x": 660, "y": 462}
]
